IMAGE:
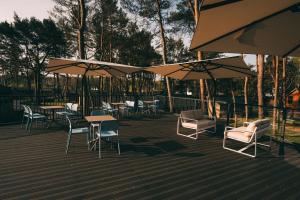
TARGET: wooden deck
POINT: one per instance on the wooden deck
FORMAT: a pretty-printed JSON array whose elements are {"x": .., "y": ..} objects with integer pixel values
[{"x": 155, "y": 163}]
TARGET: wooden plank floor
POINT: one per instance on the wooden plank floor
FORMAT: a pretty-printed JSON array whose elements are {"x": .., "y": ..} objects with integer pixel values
[{"x": 155, "y": 163}]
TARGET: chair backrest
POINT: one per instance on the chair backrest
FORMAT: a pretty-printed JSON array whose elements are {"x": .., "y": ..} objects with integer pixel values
[
  {"x": 70, "y": 124},
  {"x": 156, "y": 103},
  {"x": 129, "y": 103},
  {"x": 97, "y": 113},
  {"x": 74, "y": 107},
  {"x": 140, "y": 103},
  {"x": 111, "y": 125},
  {"x": 108, "y": 106},
  {"x": 26, "y": 111},
  {"x": 259, "y": 126},
  {"x": 191, "y": 114},
  {"x": 104, "y": 104},
  {"x": 29, "y": 111},
  {"x": 68, "y": 106}
]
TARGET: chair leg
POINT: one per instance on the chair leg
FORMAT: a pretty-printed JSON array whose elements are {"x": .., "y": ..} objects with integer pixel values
[
  {"x": 100, "y": 147},
  {"x": 30, "y": 125},
  {"x": 68, "y": 142},
  {"x": 88, "y": 136},
  {"x": 27, "y": 123},
  {"x": 119, "y": 151},
  {"x": 22, "y": 121}
]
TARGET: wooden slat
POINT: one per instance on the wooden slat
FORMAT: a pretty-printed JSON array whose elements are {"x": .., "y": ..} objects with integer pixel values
[{"x": 154, "y": 163}]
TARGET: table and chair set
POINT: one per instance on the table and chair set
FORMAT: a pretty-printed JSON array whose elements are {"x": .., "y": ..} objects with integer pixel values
[{"x": 103, "y": 125}]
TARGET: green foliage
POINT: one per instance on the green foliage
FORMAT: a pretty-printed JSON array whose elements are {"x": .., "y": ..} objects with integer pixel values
[{"x": 26, "y": 44}]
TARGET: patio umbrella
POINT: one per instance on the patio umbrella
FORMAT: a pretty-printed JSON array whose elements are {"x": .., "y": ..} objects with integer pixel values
[
  {"x": 249, "y": 26},
  {"x": 89, "y": 68},
  {"x": 218, "y": 68}
]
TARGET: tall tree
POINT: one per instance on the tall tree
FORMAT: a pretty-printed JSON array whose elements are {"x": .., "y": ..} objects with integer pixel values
[
  {"x": 149, "y": 12},
  {"x": 276, "y": 88},
  {"x": 260, "y": 76},
  {"x": 35, "y": 41},
  {"x": 72, "y": 16}
]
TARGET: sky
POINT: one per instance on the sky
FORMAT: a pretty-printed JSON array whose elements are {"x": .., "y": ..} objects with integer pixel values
[
  {"x": 40, "y": 9},
  {"x": 25, "y": 8}
]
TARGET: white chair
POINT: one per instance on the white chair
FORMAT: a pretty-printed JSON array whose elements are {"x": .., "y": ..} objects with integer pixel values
[
  {"x": 249, "y": 133},
  {"x": 154, "y": 107},
  {"x": 94, "y": 125},
  {"x": 25, "y": 115},
  {"x": 108, "y": 130},
  {"x": 66, "y": 111},
  {"x": 128, "y": 106},
  {"x": 72, "y": 130},
  {"x": 33, "y": 116},
  {"x": 196, "y": 120}
]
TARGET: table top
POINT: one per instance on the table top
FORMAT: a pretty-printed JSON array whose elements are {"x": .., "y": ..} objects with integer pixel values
[
  {"x": 149, "y": 102},
  {"x": 99, "y": 118},
  {"x": 51, "y": 107},
  {"x": 118, "y": 103}
]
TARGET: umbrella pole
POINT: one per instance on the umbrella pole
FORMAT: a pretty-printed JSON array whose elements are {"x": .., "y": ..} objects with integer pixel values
[
  {"x": 169, "y": 94},
  {"x": 281, "y": 147},
  {"x": 214, "y": 97}
]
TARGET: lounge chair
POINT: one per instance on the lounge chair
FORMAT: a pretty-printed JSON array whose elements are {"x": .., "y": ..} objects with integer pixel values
[
  {"x": 196, "y": 120},
  {"x": 249, "y": 133}
]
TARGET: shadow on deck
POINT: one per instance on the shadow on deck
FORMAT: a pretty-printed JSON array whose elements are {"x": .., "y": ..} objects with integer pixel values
[{"x": 155, "y": 163}]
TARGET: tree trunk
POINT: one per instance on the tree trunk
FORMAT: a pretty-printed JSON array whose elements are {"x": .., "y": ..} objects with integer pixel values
[
  {"x": 234, "y": 107},
  {"x": 260, "y": 76},
  {"x": 164, "y": 52},
  {"x": 275, "y": 100},
  {"x": 209, "y": 99},
  {"x": 81, "y": 48},
  {"x": 246, "y": 98},
  {"x": 199, "y": 56}
]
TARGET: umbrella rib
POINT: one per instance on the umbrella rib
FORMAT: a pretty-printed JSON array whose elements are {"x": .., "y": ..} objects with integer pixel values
[
  {"x": 229, "y": 67},
  {"x": 235, "y": 70},
  {"x": 246, "y": 26},
  {"x": 110, "y": 67},
  {"x": 63, "y": 67},
  {"x": 222, "y": 3},
  {"x": 291, "y": 51},
  {"x": 186, "y": 75},
  {"x": 220, "y": 65}
]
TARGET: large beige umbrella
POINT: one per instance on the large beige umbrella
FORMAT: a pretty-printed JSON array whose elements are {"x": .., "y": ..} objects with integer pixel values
[
  {"x": 268, "y": 27},
  {"x": 89, "y": 67},
  {"x": 250, "y": 26},
  {"x": 218, "y": 68}
]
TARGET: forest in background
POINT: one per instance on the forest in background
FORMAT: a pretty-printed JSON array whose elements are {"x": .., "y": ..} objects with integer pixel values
[{"x": 137, "y": 32}]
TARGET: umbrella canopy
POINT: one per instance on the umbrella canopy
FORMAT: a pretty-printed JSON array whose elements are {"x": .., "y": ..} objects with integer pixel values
[
  {"x": 218, "y": 68},
  {"x": 89, "y": 67},
  {"x": 249, "y": 26}
]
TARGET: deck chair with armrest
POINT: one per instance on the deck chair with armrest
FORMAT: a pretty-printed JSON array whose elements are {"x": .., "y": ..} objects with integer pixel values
[
  {"x": 249, "y": 133},
  {"x": 197, "y": 121}
]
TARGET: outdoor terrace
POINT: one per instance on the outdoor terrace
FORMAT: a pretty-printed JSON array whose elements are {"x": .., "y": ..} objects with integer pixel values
[{"x": 154, "y": 163}]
